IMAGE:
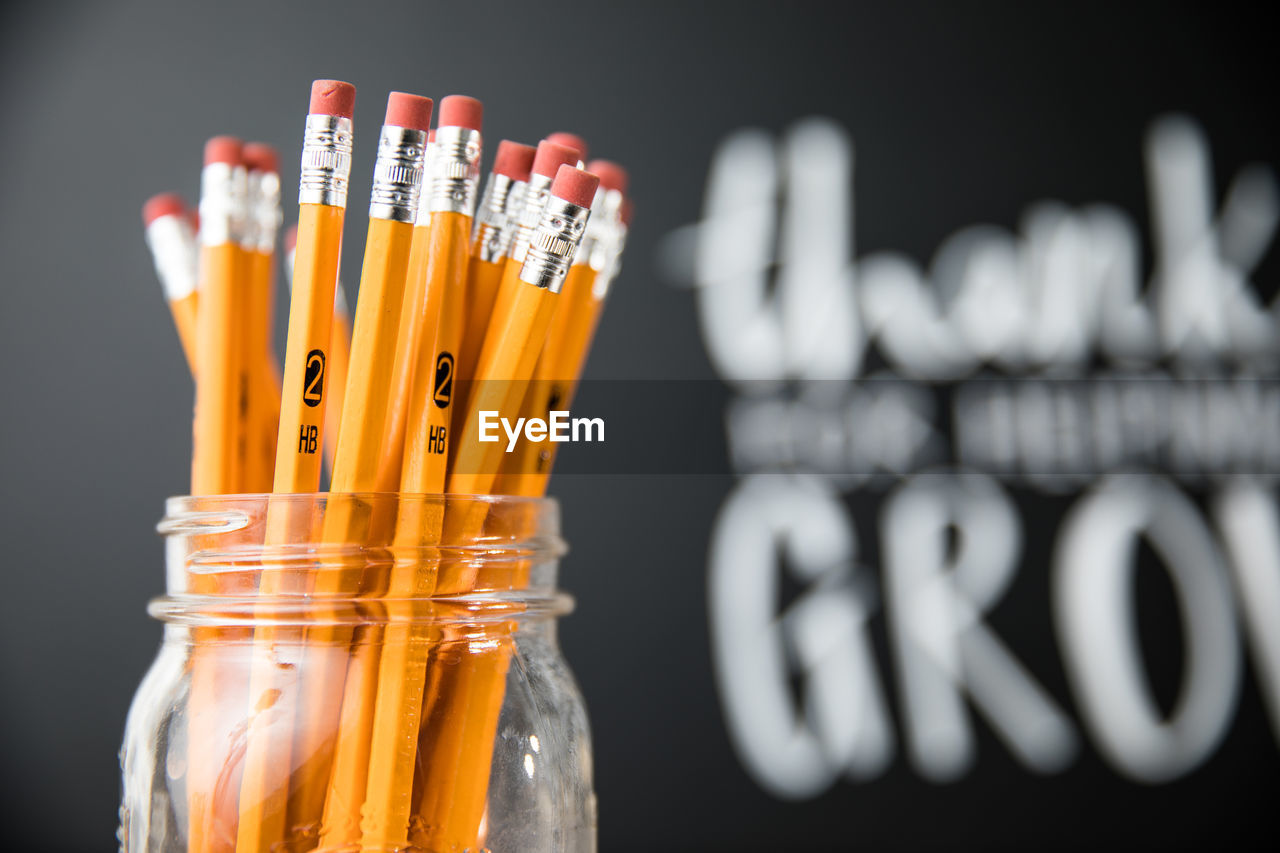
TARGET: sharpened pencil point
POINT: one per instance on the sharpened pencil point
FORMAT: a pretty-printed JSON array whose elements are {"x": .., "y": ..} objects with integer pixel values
[
  {"x": 575, "y": 186},
  {"x": 332, "y": 97}
]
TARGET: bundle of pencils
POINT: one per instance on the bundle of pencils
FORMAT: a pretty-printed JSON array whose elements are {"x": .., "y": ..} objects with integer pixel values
[{"x": 459, "y": 311}]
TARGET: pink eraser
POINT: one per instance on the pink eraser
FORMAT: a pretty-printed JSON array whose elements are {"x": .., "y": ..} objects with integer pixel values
[
  {"x": 223, "y": 149},
  {"x": 411, "y": 111},
  {"x": 628, "y": 211},
  {"x": 570, "y": 140},
  {"x": 431, "y": 135},
  {"x": 611, "y": 175},
  {"x": 290, "y": 238},
  {"x": 551, "y": 156},
  {"x": 164, "y": 204},
  {"x": 332, "y": 98},
  {"x": 460, "y": 111},
  {"x": 260, "y": 157},
  {"x": 574, "y": 185},
  {"x": 514, "y": 160}
]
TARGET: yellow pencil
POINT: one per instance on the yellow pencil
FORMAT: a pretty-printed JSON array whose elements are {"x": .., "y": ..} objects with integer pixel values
[
  {"x": 516, "y": 335},
  {"x": 495, "y": 226},
  {"x": 361, "y": 443},
  {"x": 222, "y": 216},
  {"x": 339, "y": 351},
  {"x": 417, "y": 325},
  {"x": 555, "y": 378},
  {"x": 548, "y": 158},
  {"x": 215, "y": 437},
  {"x": 172, "y": 241},
  {"x": 326, "y": 168},
  {"x": 262, "y": 410},
  {"x": 402, "y": 664}
]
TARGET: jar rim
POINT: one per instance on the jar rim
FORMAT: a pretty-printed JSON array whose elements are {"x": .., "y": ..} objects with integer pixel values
[{"x": 288, "y": 553}]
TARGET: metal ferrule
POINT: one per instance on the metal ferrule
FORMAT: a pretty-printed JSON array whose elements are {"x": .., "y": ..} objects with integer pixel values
[
  {"x": 223, "y": 192},
  {"x": 597, "y": 243},
  {"x": 614, "y": 263},
  {"x": 326, "y": 160},
  {"x": 536, "y": 193},
  {"x": 554, "y": 243},
  {"x": 398, "y": 174},
  {"x": 455, "y": 171},
  {"x": 495, "y": 218},
  {"x": 263, "y": 221},
  {"x": 173, "y": 250}
]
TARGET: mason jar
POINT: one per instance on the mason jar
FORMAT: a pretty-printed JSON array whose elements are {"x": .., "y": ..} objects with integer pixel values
[{"x": 358, "y": 672}]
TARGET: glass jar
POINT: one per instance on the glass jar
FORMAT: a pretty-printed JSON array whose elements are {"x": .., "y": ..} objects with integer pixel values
[{"x": 358, "y": 672}]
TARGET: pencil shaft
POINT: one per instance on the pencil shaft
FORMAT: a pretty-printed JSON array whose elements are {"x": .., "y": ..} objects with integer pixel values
[
  {"x": 434, "y": 385},
  {"x": 527, "y": 470},
  {"x": 185, "y": 318},
  {"x": 305, "y": 382},
  {"x": 264, "y": 789},
  {"x": 418, "y": 319},
  {"x": 214, "y": 468},
  {"x": 261, "y": 376},
  {"x": 362, "y": 443}
]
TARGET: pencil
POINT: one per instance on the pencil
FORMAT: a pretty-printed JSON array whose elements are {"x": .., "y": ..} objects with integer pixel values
[
  {"x": 222, "y": 214},
  {"x": 402, "y": 665},
  {"x": 262, "y": 409},
  {"x": 418, "y": 319},
  {"x": 457, "y": 797},
  {"x": 548, "y": 157},
  {"x": 339, "y": 351},
  {"x": 518, "y": 323},
  {"x": 214, "y": 439},
  {"x": 452, "y": 208},
  {"x": 322, "y": 200},
  {"x": 527, "y": 470},
  {"x": 515, "y": 337},
  {"x": 172, "y": 241},
  {"x": 495, "y": 226},
  {"x": 331, "y": 785}
]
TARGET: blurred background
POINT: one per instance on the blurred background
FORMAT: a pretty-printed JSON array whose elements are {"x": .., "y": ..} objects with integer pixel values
[{"x": 889, "y": 586}]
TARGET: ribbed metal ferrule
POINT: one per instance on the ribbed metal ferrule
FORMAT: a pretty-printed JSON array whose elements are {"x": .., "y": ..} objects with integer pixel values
[
  {"x": 553, "y": 244},
  {"x": 326, "y": 160}
]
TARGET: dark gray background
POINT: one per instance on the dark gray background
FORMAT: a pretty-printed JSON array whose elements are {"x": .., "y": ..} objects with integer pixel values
[{"x": 962, "y": 113}]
